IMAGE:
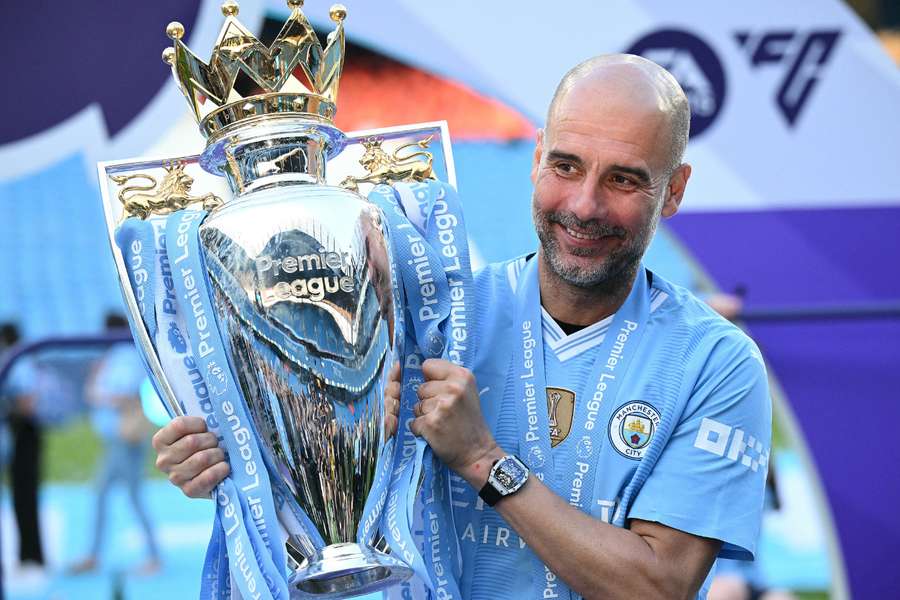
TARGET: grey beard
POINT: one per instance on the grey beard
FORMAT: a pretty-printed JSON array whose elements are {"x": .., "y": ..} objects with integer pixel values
[{"x": 619, "y": 265}]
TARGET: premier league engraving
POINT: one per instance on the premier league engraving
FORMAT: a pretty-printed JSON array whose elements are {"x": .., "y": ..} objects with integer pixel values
[{"x": 282, "y": 293}]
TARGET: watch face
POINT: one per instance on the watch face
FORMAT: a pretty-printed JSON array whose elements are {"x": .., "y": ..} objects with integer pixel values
[
  {"x": 505, "y": 479},
  {"x": 514, "y": 469},
  {"x": 508, "y": 475}
]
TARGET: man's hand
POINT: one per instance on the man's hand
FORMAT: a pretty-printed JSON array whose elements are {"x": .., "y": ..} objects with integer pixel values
[
  {"x": 448, "y": 416},
  {"x": 190, "y": 456},
  {"x": 392, "y": 402}
]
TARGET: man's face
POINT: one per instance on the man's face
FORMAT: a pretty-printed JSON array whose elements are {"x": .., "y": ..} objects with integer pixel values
[{"x": 601, "y": 181}]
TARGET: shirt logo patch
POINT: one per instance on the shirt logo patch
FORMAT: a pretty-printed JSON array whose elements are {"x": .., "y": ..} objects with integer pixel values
[
  {"x": 560, "y": 409},
  {"x": 713, "y": 437},
  {"x": 632, "y": 427}
]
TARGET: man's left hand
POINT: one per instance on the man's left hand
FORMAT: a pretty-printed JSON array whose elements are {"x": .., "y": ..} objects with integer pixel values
[{"x": 448, "y": 416}]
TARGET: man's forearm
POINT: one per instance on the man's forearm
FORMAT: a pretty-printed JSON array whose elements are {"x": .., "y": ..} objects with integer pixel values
[{"x": 595, "y": 559}]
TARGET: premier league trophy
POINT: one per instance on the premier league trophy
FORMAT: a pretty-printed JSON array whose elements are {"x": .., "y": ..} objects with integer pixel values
[{"x": 299, "y": 273}]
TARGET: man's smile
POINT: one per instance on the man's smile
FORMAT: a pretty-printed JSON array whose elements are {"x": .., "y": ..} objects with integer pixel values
[{"x": 593, "y": 238}]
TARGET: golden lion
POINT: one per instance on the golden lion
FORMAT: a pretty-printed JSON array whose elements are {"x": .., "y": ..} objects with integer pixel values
[
  {"x": 386, "y": 168},
  {"x": 173, "y": 193}
]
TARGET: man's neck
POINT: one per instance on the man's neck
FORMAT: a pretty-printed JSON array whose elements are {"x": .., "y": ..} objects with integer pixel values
[{"x": 577, "y": 305}]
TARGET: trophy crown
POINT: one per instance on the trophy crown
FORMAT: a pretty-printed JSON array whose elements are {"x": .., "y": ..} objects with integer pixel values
[{"x": 245, "y": 79}]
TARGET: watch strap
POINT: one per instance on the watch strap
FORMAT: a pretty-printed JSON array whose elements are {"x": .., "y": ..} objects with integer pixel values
[{"x": 490, "y": 494}]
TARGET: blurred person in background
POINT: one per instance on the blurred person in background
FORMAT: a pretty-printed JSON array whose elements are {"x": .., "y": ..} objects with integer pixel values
[
  {"x": 112, "y": 392},
  {"x": 19, "y": 402}
]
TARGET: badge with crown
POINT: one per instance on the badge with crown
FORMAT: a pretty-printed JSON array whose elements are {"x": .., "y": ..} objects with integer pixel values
[{"x": 259, "y": 279}]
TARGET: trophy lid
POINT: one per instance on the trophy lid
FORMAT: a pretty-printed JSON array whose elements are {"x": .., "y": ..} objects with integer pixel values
[{"x": 245, "y": 80}]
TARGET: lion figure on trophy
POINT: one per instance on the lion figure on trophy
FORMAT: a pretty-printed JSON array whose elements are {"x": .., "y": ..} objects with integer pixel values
[
  {"x": 173, "y": 194},
  {"x": 387, "y": 168}
]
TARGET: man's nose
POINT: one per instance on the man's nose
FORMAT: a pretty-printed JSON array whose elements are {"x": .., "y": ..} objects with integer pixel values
[{"x": 590, "y": 202}]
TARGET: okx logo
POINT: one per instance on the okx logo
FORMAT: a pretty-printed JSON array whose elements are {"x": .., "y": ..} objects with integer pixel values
[{"x": 802, "y": 56}]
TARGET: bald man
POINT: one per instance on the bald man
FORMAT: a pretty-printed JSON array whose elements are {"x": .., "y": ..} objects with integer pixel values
[{"x": 612, "y": 437}]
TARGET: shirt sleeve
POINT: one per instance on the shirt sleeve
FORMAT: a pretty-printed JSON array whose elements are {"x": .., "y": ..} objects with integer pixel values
[{"x": 710, "y": 478}]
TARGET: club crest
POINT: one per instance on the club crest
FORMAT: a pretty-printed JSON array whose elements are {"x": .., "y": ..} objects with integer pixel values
[
  {"x": 632, "y": 427},
  {"x": 560, "y": 409}
]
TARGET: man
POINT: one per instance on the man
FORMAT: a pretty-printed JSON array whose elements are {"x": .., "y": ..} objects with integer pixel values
[
  {"x": 20, "y": 398},
  {"x": 112, "y": 390},
  {"x": 651, "y": 458}
]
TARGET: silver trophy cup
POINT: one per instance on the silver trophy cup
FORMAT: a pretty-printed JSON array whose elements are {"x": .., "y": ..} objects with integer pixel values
[
  {"x": 300, "y": 276},
  {"x": 301, "y": 279}
]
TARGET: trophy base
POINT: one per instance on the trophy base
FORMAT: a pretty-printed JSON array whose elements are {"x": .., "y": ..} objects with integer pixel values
[{"x": 347, "y": 570}]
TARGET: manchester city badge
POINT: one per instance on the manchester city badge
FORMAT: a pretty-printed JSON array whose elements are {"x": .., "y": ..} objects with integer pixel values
[{"x": 632, "y": 427}]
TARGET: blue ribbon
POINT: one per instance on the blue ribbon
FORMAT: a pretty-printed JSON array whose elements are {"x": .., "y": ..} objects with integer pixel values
[
  {"x": 135, "y": 240},
  {"x": 244, "y": 504},
  {"x": 437, "y": 280},
  {"x": 598, "y": 393},
  {"x": 432, "y": 270}
]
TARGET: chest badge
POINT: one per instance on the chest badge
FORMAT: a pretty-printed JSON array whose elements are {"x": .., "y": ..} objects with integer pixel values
[
  {"x": 560, "y": 409},
  {"x": 632, "y": 427}
]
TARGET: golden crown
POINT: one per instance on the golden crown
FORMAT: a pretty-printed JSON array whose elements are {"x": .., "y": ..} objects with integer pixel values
[{"x": 245, "y": 79}]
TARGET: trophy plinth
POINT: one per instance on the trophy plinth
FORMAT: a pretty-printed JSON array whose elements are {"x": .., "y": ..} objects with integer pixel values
[{"x": 340, "y": 569}]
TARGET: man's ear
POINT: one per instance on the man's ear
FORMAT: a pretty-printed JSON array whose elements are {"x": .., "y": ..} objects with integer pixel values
[
  {"x": 675, "y": 190},
  {"x": 538, "y": 152}
]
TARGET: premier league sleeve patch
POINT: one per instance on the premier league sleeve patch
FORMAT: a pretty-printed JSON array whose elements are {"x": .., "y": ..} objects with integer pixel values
[{"x": 631, "y": 428}]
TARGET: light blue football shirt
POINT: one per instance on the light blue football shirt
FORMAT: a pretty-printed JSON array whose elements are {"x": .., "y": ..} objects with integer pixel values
[{"x": 697, "y": 383}]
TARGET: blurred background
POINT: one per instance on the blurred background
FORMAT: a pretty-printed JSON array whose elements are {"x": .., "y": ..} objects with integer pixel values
[{"x": 790, "y": 226}]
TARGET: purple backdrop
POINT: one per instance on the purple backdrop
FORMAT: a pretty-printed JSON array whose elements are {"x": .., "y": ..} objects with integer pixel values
[
  {"x": 83, "y": 52},
  {"x": 841, "y": 376}
]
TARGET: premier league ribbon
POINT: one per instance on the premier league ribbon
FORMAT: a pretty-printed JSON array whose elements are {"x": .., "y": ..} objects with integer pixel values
[
  {"x": 432, "y": 256},
  {"x": 600, "y": 389},
  {"x": 244, "y": 504},
  {"x": 246, "y": 529},
  {"x": 432, "y": 271}
]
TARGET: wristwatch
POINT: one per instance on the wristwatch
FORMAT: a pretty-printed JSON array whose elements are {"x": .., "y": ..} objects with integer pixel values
[{"x": 507, "y": 476}]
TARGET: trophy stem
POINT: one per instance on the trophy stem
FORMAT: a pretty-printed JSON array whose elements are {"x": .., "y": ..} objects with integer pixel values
[{"x": 342, "y": 570}]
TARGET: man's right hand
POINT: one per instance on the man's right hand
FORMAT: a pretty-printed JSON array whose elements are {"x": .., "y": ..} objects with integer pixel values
[{"x": 190, "y": 456}]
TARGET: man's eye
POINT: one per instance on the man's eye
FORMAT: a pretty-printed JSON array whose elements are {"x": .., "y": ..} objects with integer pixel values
[
  {"x": 623, "y": 181},
  {"x": 564, "y": 168}
]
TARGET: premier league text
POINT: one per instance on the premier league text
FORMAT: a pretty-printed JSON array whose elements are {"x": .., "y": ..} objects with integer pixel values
[{"x": 276, "y": 281}]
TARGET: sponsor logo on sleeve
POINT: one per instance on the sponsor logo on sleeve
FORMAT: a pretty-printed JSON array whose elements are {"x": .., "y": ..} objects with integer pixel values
[{"x": 732, "y": 443}]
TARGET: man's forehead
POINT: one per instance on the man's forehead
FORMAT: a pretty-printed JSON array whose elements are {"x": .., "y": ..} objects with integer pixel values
[{"x": 616, "y": 108}]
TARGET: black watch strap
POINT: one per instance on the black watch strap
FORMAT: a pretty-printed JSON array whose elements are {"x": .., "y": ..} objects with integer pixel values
[{"x": 489, "y": 494}]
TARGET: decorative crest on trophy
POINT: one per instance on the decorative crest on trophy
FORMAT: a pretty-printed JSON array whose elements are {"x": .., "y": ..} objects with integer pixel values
[
  {"x": 244, "y": 78},
  {"x": 160, "y": 198},
  {"x": 382, "y": 167}
]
